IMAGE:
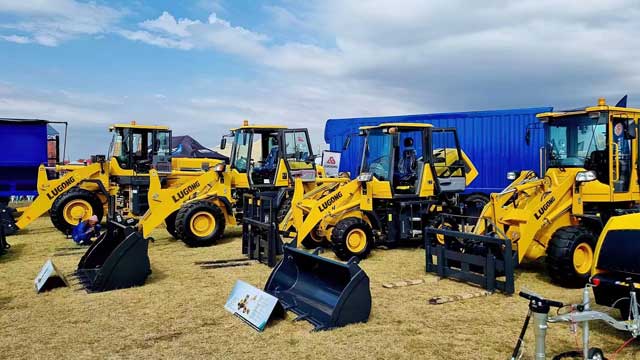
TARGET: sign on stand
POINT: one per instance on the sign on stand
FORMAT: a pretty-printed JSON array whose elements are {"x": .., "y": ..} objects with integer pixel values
[
  {"x": 49, "y": 278},
  {"x": 331, "y": 162},
  {"x": 254, "y": 306}
]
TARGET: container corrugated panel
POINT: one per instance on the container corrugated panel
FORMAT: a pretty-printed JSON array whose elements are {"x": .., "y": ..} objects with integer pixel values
[
  {"x": 23, "y": 147},
  {"x": 493, "y": 140}
]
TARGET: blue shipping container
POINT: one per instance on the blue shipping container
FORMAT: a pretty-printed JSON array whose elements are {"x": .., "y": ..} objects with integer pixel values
[
  {"x": 23, "y": 147},
  {"x": 493, "y": 140}
]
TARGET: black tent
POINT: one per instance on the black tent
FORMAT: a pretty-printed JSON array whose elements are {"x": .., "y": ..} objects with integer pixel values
[{"x": 186, "y": 146}]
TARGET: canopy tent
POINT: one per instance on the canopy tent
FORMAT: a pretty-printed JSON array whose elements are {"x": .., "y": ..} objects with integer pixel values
[{"x": 186, "y": 146}]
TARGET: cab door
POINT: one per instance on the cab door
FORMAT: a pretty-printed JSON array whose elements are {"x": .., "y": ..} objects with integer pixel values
[
  {"x": 448, "y": 166},
  {"x": 622, "y": 158},
  {"x": 161, "y": 151},
  {"x": 297, "y": 159}
]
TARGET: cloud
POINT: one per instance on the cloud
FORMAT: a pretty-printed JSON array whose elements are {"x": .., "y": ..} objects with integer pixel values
[
  {"x": 16, "y": 39},
  {"x": 349, "y": 58},
  {"x": 51, "y": 22}
]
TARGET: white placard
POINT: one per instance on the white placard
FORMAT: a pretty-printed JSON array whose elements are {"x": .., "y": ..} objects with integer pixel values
[
  {"x": 251, "y": 304},
  {"x": 49, "y": 278},
  {"x": 331, "y": 162}
]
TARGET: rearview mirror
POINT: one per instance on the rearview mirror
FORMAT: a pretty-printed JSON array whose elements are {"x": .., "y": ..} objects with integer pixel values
[
  {"x": 347, "y": 141},
  {"x": 223, "y": 143},
  {"x": 631, "y": 130}
]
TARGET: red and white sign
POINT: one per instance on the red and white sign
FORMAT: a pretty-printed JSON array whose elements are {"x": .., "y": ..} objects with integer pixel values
[{"x": 331, "y": 162}]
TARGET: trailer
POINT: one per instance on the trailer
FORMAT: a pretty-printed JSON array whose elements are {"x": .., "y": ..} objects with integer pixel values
[
  {"x": 25, "y": 144},
  {"x": 494, "y": 140}
]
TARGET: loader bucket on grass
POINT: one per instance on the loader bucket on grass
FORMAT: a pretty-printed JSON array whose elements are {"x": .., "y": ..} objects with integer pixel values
[
  {"x": 325, "y": 292},
  {"x": 118, "y": 259}
]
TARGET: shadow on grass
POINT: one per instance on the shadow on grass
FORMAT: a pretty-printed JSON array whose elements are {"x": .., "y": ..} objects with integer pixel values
[
  {"x": 156, "y": 276},
  {"x": 12, "y": 253}
]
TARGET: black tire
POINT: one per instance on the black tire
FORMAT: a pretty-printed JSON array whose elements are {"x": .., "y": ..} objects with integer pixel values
[
  {"x": 310, "y": 243},
  {"x": 170, "y": 223},
  {"x": 284, "y": 208},
  {"x": 560, "y": 252},
  {"x": 76, "y": 193},
  {"x": 596, "y": 354},
  {"x": 185, "y": 216},
  {"x": 339, "y": 238},
  {"x": 474, "y": 204}
]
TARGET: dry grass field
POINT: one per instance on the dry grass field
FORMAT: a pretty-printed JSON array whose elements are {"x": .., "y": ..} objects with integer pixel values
[{"x": 180, "y": 312}]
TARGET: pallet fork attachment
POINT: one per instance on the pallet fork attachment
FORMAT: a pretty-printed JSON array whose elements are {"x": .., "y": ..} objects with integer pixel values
[
  {"x": 118, "y": 259},
  {"x": 472, "y": 258},
  {"x": 326, "y": 293},
  {"x": 4, "y": 245},
  {"x": 7, "y": 219},
  {"x": 260, "y": 235}
]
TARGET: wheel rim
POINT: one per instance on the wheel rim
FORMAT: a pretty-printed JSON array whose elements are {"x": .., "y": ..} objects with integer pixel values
[
  {"x": 439, "y": 237},
  {"x": 582, "y": 258},
  {"x": 77, "y": 210},
  {"x": 356, "y": 240},
  {"x": 202, "y": 224},
  {"x": 313, "y": 234}
]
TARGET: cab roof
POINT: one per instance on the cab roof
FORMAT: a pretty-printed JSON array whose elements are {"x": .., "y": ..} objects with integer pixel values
[
  {"x": 133, "y": 125},
  {"x": 602, "y": 106},
  {"x": 400, "y": 125},
  {"x": 260, "y": 127}
]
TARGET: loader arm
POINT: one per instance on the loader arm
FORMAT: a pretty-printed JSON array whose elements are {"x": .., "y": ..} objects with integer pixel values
[
  {"x": 309, "y": 212},
  {"x": 163, "y": 202},
  {"x": 530, "y": 211},
  {"x": 50, "y": 190}
]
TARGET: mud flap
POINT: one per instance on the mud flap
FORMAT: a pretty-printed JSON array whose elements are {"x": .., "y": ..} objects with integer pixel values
[
  {"x": 473, "y": 259},
  {"x": 260, "y": 235},
  {"x": 7, "y": 220},
  {"x": 324, "y": 292},
  {"x": 118, "y": 259}
]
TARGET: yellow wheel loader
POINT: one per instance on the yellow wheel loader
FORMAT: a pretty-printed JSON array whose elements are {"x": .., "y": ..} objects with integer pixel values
[
  {"x": 591, "y": 161},
  {"x": 616, "y": 268},
  {"x": 269, "y": 157},
  {"x": 409, "y": 173},
  {"x": 198, "y": 210},
  {"x": 81, "y": 191}
]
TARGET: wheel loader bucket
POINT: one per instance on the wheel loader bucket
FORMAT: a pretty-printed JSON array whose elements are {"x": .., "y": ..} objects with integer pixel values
[
  {"x": 325, "y": 292},
  {"x": 118, "y": 259}
]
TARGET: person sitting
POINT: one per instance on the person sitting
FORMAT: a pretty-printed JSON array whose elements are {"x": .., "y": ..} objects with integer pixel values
[
  {"x": 266, "y": 170},
  {"x": 85, "y": 230},
  {"x": 406, "y": 172}
]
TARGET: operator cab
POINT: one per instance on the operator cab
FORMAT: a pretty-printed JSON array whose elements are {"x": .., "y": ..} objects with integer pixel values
[
  {"x": 398, "y": 153},
  {"x": 270, "y": 155},
  {"x": 598, "y": 139},
  {"x": 141, "y": 148}
]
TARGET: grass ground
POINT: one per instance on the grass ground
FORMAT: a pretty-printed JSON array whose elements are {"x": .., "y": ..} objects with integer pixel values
[{"x": 180, "y": 312}]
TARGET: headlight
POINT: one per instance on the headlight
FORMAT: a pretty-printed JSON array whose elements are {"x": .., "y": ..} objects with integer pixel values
[
  {"x": 365, "y": 177},
  {"x": 219, "y": 168},
  {"x": 585, "y": 176},
  {"x": 511, "y": 175}
]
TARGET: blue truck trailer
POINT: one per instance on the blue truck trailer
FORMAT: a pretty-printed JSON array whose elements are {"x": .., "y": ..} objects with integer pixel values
[
  {"x": 23, "y": 148},
  {"x": 493, "y": 140}
]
